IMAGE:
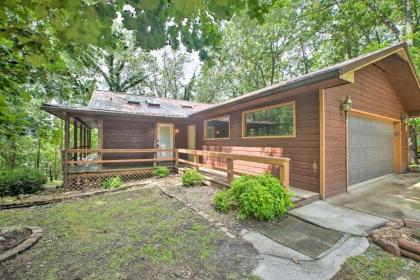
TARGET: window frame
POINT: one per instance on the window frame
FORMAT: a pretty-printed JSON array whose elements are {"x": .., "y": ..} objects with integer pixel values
[
  {"x": 293, "y": 135},
  {"x": 205, "y": 128}
]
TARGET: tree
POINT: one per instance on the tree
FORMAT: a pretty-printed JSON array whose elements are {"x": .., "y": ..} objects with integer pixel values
[
  {"x": 122, "y": 67},
  {"x": 296, "y": 37}
]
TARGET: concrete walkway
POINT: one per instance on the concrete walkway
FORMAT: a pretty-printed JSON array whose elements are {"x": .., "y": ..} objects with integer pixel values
[
  {"x": 284, "y": 262},
  {"x": 338, "y": 218},
  {"x": 394, "y": 197}
]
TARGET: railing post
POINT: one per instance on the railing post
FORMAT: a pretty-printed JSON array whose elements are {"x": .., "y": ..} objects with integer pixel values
[
  {"x": 196, "y": 162},
  {"x": 155, "y": 158},
  {"x": 284, "y": 173},
  {"x": 176, "y": 157},
  {"x": 229, "y": 170}
]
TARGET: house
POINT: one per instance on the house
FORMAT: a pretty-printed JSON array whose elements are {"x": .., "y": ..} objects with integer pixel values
[{"x": 339, "y": 126}]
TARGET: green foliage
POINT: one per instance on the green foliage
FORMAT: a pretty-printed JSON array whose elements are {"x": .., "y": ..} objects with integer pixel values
[
  {"x": 112, "y": 182},
  {"x": 261, "y": 197},
  {"x": 21, "y": 181},
  {"x": 161, "y": 171},
  {"x": 191, "y": 178},
  {"x": 222, "y": 201}
]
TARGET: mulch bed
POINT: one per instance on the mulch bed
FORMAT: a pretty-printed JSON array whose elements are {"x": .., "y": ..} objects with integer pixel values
[{"x": 10, "y": 238}]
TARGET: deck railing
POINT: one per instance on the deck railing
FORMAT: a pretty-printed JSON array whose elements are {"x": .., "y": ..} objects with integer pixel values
[{"x": 281, "y": 162}]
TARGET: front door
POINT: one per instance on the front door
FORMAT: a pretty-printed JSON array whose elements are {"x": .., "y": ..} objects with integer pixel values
[
  {"x": 165, "y": 139},
  {"x": 191, "y": 140}
]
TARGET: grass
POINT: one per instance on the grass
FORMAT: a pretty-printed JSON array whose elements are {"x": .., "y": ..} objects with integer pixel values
[
  {"x": 132, "y": 234},
  {"x": 376, "y": 264}
]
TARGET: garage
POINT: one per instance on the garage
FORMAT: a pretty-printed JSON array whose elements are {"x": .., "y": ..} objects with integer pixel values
[{"x": 371, "y": 149}]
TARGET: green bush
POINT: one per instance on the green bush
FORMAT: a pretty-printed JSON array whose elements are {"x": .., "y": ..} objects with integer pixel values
[
  {"x": 112, "y": 182},
  {"x": 21, "y": 181},
  {"x": 260, "y": 197},
  {"x": 161, "y": 171},
  {"x": 191, "y": 178},
  {"x": 222, "y": 201}
]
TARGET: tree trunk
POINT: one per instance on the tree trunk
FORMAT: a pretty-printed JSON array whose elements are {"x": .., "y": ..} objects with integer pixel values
[
  {"x": 38, "y": 154},
  {"x": 412, "y": 145},
  {"x": 13, "y": 155},
  {"x": 408, "y": 22}
]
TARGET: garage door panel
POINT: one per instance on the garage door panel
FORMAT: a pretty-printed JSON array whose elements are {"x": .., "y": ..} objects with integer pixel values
[{"x": 370, "y": 149}]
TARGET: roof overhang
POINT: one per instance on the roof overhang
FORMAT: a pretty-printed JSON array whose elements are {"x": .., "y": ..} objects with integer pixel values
[{"x": 90, "y": 117}]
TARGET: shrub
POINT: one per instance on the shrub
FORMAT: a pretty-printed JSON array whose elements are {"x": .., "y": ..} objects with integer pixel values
[
  {"x": 112, "y": 182},
  {"x": 161, "y": 171},
  {"x": 261, "y": 197},
  {"x": 21, "y": 181},
  {"x": 222, "y": 201},
  {"x": 191, "y": 178}
]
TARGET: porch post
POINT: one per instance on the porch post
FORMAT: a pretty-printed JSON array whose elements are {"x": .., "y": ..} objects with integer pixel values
[
  {"x": 84, "y": 140},
  {"x": 75, "y": 138},
  {"x": 100, "y": 139},
  {"x": 81, "y": 141},
  {"x": 66, "y": 147},
  {"x": 89, "y": 141}
]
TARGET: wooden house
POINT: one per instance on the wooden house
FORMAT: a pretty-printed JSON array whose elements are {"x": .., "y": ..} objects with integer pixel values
[{"x": 329, "y": 129}]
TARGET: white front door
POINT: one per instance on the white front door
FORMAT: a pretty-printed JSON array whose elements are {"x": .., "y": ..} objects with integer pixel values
[{"x": 165, "y": 139}]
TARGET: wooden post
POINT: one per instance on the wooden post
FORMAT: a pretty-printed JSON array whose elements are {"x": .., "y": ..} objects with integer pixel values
[
  {"x": 89, "y": 141},
  {"x": 100, "y": 138},
  {"x": 66, "y": 147},
  {"x": 81, "y": 141},
  {"x": 75, "y": 138},
  {"x": 284, "y": 174},
  {"x": 196, "y": 161},
  {"x": 229, "y": 170},
  {"x": 176, "y": 156},
  {"x": 84, "y": 140}
]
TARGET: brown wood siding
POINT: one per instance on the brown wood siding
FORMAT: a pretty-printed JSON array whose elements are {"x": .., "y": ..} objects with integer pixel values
[
  {"x": 303, "y": 150},
  {"x": 118, "y": 134},
  {"x": 181, "y": 138},
  {"x": 371, "y": 92}
]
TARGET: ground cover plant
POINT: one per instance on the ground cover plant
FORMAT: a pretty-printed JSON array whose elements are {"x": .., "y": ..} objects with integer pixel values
[
  {"x": 375, "y": 264},
  {"x": 191, "y": 178},
  {"x": 133, "y": 234},
  {"x": 259, "y": 197},
  {"x": 161, "y": 171},
  {"x": 21, "y": 181},
  {"x": 112, "y": 182}
]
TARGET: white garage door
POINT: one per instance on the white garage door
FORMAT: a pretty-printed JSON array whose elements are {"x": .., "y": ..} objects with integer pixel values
[{"x": 371, "y": 152}]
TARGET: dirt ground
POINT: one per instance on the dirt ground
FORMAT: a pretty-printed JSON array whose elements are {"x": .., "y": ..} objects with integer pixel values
[
  {"x": 201, "y": 197},
  {"x": 133, "y": 234}
]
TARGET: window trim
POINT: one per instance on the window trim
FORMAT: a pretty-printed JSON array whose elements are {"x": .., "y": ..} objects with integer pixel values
[
  {"x": 293, "y": 103},
  {"x": 205, "y": 128}
]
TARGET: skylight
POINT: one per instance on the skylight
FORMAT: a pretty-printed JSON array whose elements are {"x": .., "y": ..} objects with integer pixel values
[
  {"x": 133, "y": 99},
  {"x": 153, "y": 103}
]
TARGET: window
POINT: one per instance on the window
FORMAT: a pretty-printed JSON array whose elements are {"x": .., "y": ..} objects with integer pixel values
[
  {"x": 274, "y": 121},
  {"x": 217, "y": 128}
]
